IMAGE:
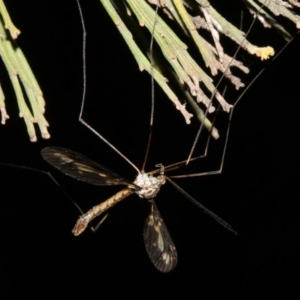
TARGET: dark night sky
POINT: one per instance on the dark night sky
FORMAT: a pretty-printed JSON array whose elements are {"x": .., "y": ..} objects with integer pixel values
[{"x": 257, "y": 192}]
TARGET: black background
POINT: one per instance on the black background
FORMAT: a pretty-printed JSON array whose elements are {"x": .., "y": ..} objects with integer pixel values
[{"x": 257, "y": 192}]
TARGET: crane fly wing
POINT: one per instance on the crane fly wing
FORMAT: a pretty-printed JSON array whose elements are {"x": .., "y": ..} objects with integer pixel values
[
  {"x": 158, "y": 242},
  {"x": 82, "y": 168}
]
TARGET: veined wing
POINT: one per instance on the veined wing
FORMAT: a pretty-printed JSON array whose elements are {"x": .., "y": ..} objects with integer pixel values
[
  {"x": 158, "y": 242},
  {"x": 82, "y": 168}
]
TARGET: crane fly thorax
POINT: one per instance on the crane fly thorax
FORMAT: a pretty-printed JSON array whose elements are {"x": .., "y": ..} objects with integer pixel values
[{"x": 149, "y": 185}]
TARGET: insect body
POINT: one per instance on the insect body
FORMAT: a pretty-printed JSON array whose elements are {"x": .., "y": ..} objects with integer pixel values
[{"x": 158, "y": 242}]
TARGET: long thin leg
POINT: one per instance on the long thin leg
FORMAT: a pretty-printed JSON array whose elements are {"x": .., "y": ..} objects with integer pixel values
[
  {"x": 216, "y": 88},
  {"x": 214, "y": 172},
  {"x": 206, "y": 210},
  {"x": 219, "y": 171},
  {"x": 182, "y": 163},
  {"x": 152, "y": 92},
  {"x": 48, "y": 174},
  {"x": 81, "y": 120}
]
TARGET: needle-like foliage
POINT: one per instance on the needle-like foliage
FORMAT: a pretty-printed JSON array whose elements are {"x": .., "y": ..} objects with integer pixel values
[
  {"x": 174, "y": 67},
  {"x": 22, "y": 79}
]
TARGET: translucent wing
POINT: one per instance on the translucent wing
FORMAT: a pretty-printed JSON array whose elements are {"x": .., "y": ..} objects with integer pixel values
[
  {"x": 82, "y": 168},
  {"x": 158, "y": 242}
]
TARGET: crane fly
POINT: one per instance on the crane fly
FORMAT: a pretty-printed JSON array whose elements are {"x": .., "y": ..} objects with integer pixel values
[
  {"x": 157, "y": 239},
  {"x": 159, "y": 245}
]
